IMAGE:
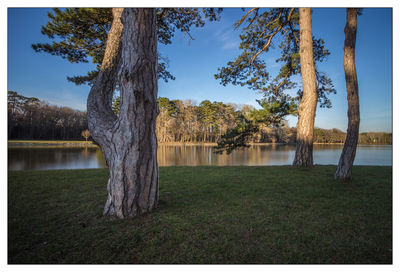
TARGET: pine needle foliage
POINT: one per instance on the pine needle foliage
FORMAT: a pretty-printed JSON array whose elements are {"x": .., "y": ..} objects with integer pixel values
[
  {"x": 80, "y": 34},
  {"x": 271, "y": 113},
  {"x": 261, "y": 31}
]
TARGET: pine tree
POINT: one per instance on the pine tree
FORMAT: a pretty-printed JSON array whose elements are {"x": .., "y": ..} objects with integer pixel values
[
  {"x": 308, "y": 102},
  {"x": 345, "y": 165},
  {"x": 129, "y": 60},
  {"x": 80, "y": 34},
  {"x": 251, "y": 123},
  {"x": 261, "y": 29}
]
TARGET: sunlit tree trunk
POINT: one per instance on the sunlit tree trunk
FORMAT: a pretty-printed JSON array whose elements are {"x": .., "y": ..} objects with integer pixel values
[
  {"x": 353, "y": 113},
  {"x": 308, "y": 103},
  {"x": 128, "y": 141}
]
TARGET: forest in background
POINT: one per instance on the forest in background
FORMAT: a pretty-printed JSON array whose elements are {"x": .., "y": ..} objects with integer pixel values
[
  {"x": 32, "y": 119},
  {"x": 178, "y": 122}
]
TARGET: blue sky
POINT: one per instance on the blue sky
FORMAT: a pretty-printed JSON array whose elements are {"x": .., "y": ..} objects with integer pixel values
[{"x": 194, "y": 65}]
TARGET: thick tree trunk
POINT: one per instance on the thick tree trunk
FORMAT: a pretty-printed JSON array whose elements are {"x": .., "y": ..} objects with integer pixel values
[
  {"x": 128, "y": 141},
  {"x": 349, "y": 149},
  {"x": 308, "y": 103}
]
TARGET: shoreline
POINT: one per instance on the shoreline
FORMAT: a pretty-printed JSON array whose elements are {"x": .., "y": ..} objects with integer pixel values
[
  {"x": 16, "y": 143},
  {"x": 50, "y": 143}
]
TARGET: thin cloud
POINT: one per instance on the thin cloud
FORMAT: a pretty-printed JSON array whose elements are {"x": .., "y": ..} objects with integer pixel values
[
  {"x": 230, "y": 45},
  {"x": 227, "y": 36}
]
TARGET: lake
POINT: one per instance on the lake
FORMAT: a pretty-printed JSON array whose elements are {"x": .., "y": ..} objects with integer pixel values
[{"x": 43, "y": 158}]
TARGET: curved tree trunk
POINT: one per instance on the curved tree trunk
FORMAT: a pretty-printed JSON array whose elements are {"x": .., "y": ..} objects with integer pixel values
[
  {"x": 308, "y": 103},
  {"x": 353, "y": 113},
  {"x": 128, "y": 141}
]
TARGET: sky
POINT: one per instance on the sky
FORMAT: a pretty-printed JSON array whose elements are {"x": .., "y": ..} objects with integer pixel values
[{"x": 195, "y": 62}]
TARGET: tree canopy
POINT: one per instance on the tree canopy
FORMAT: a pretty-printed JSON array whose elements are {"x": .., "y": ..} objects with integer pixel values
[
  {"x": 80, "y": 34},
  {"x": 271, "y": 114},
  {"x": 262, "y": 30}
]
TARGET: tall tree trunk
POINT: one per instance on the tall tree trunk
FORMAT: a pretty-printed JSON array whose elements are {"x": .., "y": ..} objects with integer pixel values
[
  {"x": 353, "y": 113},
  {"x": 128, "y": 141},
  {"x": 308, "y": 103}
]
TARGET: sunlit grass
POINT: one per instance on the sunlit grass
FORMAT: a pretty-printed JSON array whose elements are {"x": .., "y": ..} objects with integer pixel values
[{"x": 275, "y": 214}]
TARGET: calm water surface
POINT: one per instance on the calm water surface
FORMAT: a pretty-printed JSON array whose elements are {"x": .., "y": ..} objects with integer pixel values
[{"x": 41, "y": 158}]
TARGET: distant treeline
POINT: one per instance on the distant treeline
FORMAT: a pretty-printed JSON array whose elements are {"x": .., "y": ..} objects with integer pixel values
[
  {"x": 337, "y": 136},
  {"x": 184, "y": 121},
  {"x": 178, "y": 122},
  {"x": 32, "y": 119}
]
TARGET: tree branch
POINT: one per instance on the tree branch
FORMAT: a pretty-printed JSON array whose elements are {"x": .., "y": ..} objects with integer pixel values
[
  {"x": 265, "y": 47},
  {"x": 100, "y": 116},
  {"x": 237, "y": 25}
]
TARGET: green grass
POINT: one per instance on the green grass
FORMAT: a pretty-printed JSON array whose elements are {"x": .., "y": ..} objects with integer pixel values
[{"x": 206, "y": 215}]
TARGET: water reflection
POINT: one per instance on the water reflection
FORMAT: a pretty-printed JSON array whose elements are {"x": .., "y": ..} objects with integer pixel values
[
  {"x": 33, "y": 158},
  {"x": 23, "y": 158},
  {"x": 204, "y": 155}
]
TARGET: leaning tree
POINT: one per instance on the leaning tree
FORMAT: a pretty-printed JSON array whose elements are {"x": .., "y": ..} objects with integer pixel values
[
  {"x": 346, "y": 160},
  {"x": 125, "y": 44},
  {"x": 290, "y": 29}
]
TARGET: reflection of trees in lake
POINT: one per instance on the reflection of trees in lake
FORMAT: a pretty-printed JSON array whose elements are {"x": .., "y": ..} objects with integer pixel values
[
  {"x": 204, "y": 155},
  {"x": 54, "y": 158},
  {"x": 32, "y": 158},
  {"x": 170, "y": 155},
  {"x": 85, "y": 152},
  {"x": 22, "y": 158}
]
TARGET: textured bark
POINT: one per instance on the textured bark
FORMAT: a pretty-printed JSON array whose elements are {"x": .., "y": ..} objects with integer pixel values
[
  {"x": 128, "y": 141},
  {"x": 308, "y": 103},
  {"x": 100, "y": 116},
  {"x": 353, "y": 113}
]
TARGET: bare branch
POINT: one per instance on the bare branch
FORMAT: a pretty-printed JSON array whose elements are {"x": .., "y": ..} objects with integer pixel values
[
  {"x": 291, "y": 27},
  {"x": 252, "y": 20},
  {"x": 266, "y": 46},
  {"x": 270, "y": 23},
  {"x": 244, "y": 18}
]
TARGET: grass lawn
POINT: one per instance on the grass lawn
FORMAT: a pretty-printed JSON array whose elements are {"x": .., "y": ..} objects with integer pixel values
[{"x": 273, "y": 214}]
